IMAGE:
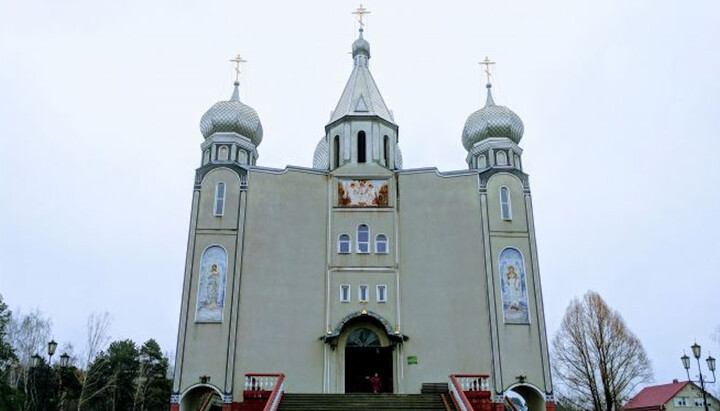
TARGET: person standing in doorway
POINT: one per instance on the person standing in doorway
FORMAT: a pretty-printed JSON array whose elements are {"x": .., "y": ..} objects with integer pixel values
[{"x": 375, "y": 382}]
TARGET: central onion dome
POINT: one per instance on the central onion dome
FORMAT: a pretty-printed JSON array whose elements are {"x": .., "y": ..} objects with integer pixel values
[
  {"x": 492, "y": 121},
  {"x": 232, "y": 116},
  {"x": 361, "y": 46}
]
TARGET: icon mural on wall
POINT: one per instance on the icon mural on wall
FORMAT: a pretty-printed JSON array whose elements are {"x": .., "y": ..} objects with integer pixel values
[
  {"x": 362, "y": 193},
  {"x": 211, "y": 287},
  {"x": 513, "y": 287}
]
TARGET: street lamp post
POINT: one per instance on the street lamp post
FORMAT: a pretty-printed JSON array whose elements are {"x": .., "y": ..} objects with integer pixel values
[{"x": 710, "y": 364}]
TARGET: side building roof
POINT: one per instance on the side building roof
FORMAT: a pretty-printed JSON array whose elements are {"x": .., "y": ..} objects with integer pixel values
[{"x": 653, "y": 397}]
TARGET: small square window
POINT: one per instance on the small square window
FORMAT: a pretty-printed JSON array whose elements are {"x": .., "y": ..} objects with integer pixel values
[
  {"x": 363, "y": 293},
  {"x": 345, "y": 293},
  {"x": 381, "y": 293}
]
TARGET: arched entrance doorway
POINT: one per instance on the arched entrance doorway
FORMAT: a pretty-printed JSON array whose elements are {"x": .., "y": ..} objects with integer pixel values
[
  {"x": 525, "y": 398},
  {"x": 201, "y": 398},
  {"x": 368, "y": 365}
]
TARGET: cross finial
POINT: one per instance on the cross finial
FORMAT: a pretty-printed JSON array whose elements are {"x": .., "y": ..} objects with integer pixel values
[
  {"x": 361, "y": 12},
  {"x": 487, "y": 63},
  {"x": 238, "y": 60}
]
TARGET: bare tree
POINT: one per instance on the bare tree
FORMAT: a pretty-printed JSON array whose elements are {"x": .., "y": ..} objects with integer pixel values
[
  {"x": 597, "y": 361},
  {"x": 28, "y": 334},
  {"x": 97, "y": 338}
]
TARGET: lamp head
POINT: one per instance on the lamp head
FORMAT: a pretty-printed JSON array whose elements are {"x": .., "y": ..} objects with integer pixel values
[
  {"x": 696, "y": 350},
  {"x": 711, "y": 363},
  {"x": 52, "y": 346},
  {"x": 64, "y": 360},
  {"x": 685, "y": 361},
  {"x": 35, "y": 360}
]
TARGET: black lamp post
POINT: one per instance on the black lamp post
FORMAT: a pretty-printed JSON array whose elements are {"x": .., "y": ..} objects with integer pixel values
[
  {"x": 710, "y": 364},
  {"x": 64, "y": 362}
]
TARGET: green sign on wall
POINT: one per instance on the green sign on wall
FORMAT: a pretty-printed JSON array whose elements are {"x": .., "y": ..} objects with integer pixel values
[{"x": 412, "y": 359}]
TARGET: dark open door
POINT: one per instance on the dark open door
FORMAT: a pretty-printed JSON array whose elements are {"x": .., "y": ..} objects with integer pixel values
[{"x": 363, "y": 358}]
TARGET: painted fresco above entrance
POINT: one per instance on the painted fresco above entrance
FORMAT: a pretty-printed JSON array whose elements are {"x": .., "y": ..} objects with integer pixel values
[
  {"x": 363, "y": 193},
  {"x": 514, "y": 287},
  {"x": 211, "y": 288}
]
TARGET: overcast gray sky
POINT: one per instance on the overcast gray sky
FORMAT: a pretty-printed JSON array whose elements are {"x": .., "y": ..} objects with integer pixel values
[{"x": 100, "y": 103}]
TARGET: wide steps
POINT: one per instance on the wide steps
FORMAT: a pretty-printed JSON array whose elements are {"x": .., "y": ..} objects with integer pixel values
[{"x": 358, "y": 402}]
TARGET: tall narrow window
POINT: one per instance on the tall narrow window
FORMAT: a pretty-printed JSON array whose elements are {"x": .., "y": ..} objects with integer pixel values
[
  {"x": 344, "y": 244},
  {"x": 336, "y": 152},
  {"x": 345, "y": 293},
  {"x": 220, "y": 199},
  {"x": 505, "y": 205},
  {"x": 361, "y": 147},
  {"x": 363, "y": 293},
  {"x": 381, "y": 293},
  {"x": 386, "y": 150},
  {"x": 381, "y": 244},
  {"x": 363, "y": 239}
]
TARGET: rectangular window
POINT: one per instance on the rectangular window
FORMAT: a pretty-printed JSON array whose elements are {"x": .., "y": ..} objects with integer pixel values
[
  {"x": 363, "y": 293},
  {"x": 363, "y": 239},
  {"x": 382, "y": 293},
  {"x": 681, "y": 401},
  {"x": 699, "y": 402},
  {"x": 220, "y": 199},
  {"x": 345, "y": 293},
  {"x": 505, "y": 207},
  {"x": 344, "y": 244}
]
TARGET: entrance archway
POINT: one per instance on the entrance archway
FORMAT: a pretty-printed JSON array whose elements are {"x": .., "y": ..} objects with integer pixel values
[
  {"x": 367, "y": 361},
  {"x": 525, "y": 397},
  {"x": 201, "y": 398}
]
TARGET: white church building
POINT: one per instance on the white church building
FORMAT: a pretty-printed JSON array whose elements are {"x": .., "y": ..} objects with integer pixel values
[{"x": 357, "y": 266}]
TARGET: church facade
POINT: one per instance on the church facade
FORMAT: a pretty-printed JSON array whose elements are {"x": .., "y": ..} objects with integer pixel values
[{"x": 357, "y": 266}]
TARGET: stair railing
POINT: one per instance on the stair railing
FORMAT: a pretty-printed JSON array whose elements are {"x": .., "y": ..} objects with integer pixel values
[
  {"x": 467, "y": 389},
  {"x": 267, "y": 388}
]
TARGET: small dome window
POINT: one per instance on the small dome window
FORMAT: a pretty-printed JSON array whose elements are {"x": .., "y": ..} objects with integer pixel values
[
  {"x": 481, "y": 161},
  {"x": 501, "y": 158}
]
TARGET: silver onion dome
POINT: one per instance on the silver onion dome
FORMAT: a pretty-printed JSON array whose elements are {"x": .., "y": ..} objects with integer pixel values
[
  {"x": 492, "y": 121},
  {"x": 361, "y": 46},
  {"x": 321, "y": 158},
  {"x": 232, "y": 116}
]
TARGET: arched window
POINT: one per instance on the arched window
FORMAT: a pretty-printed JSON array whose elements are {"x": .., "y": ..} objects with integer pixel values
[
  {"x": 517, "y": 162},
  {"x": 361, "y": 147},
  {"x": 344, "y": 244},
  {"x": 220, "y": 199},
  {"x": 501, "y": 158},
  {"x": 363, "y": 337},
  {"x": 336, "y": 152},
  {"x": 363, "y": 239},
  {"x": 386, "y": 150},
  {"x": 482, "y": 162},
  {"x": 223, "y": 153},
  {"x": 505, "y": 204},
  {"x": 381, "y": 244}
]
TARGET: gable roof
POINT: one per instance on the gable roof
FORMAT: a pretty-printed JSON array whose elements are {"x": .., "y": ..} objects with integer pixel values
[{"x": 655, "y": 396}]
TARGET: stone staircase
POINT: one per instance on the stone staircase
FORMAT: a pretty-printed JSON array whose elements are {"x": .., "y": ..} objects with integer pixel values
[{"x": 361, "y": 402}]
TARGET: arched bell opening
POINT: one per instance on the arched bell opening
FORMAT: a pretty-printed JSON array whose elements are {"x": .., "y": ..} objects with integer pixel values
[
  {"x": 525, "y": 397},
  {"x": 201, "y": 398}
]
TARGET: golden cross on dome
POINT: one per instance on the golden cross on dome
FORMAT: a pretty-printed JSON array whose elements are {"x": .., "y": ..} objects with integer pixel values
[
  {"x": 487, "y": 63},
  {"x": 361, "y": 12},
  {"x": 238, "y": 60}
]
